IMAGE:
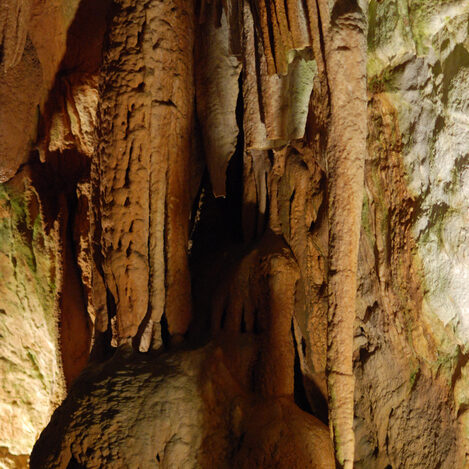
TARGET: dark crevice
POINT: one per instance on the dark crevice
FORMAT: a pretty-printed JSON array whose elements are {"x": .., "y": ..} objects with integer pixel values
[
  {"x": 215, "y": 234},
  {"x": 223, "y": 318},
  {"x": 243, "y": 323},
  {"x": 74, "y": 464},
  {"x": 306, "y": 393},
  {"x": 456, "y": 61},
  {"x": 141, "y": 329},
  {"x": 165, "y": 335},
  {"x": 256, "y": 325},
  {"x": 299, "y": 392}
]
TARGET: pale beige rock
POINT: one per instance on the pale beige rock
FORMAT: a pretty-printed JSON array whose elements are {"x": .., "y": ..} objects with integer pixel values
[
  {"x": 392, "y": 337},
  {"x": 32, "y": 383},
  {"x": 275, "y": 106},
  {"x": 75, "y": 125}
]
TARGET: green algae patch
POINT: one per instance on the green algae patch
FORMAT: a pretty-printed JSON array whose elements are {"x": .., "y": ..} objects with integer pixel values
[
  {"x": 366, "y": 221},
  {"x": 414, "y": 376}
]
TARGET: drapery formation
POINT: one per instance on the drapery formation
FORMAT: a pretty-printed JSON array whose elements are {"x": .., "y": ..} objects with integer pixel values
[{"x": 141, "y": 174}]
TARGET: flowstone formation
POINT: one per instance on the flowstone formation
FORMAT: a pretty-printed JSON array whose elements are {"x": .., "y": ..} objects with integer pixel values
[{"x": 234, "y": 233}]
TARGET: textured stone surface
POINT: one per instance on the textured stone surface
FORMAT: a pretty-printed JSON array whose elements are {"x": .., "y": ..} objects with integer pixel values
[
  {"x": 417, "y": 72},
  {"x": 345, "y": 59},
  {"x": 424, "y": 69},
  {"x": 141, "y": 174},
  {"x": 275, "y": 106},
  {"x": 33, "y": 40},
  {"x": 217, "y": 90},
  {"x": 392, "y": 394},
  {"x": 32, "y": 383},
  {"x": 182, "y": 409}
]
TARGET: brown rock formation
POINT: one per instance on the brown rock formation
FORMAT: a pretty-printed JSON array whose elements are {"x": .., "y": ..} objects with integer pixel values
[
  {"x": 209, "y": 420},
  {"x": 141, "y": 175},
  {"x": 345, "y": 59}
]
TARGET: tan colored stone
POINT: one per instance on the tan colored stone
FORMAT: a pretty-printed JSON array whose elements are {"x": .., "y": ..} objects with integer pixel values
[{"x": 209, "y": 419}]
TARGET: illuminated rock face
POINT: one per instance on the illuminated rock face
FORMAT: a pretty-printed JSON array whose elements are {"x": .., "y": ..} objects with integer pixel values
[
  {"x": 415, "y": 221},
  {"x": 32, "y": 382},
  {"x": 426, "y": 69},
  {"x": 241, "y": 236}
]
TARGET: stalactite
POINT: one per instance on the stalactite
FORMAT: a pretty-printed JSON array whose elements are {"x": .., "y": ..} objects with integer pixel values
[
  {"x": 254, "y": 127},
  {"x": 217, "y": 91},
  {"x": 298, "y": 24},
  {"x": 124, "y": 164},
  {"x": 345, "y": 46},
  {"x": 146, "y": 121},
  {"x": 190, "y": 185},
  {"x": 172, "y": 87}
]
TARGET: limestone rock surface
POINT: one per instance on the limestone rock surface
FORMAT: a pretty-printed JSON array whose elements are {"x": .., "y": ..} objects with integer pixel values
[
  {"x": 32, "y": 383},
  {"x": 33, "y": 41},
  {"x": 181, "y": 409},
  {"x": 423, "y": 65},
  {"x": 403, "y": 299}
]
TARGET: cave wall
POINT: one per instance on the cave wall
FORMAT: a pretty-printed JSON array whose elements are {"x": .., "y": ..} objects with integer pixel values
[
  {"x": 32, "y": 382},
  {"x": 217, "y": 203},
  {"x": 411, "y": 302}
]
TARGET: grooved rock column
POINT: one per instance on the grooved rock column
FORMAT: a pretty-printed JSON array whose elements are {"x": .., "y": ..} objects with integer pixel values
[
  {"x": 170, "y": 77},
  {"x": 345, "y": 64},
  {"x": 142, "y": 172},
  {"x": 124, "y": 165}
]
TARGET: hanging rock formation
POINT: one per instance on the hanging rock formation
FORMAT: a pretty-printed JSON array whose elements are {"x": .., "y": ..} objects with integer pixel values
[
  {"x": 141, "y": 174},
  {"x": 345, "y": 58}
]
